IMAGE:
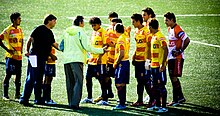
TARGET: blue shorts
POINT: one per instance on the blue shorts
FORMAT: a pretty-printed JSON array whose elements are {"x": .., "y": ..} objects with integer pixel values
[
  {"x": 98, "y": 71},
  {"x": 157, "y": 75},
  {"x": 50, "y": 70},
  {"x": 13, "y": 66},
  {"x": 122, "y": 72},
  {"x": 110, "y": 70}
]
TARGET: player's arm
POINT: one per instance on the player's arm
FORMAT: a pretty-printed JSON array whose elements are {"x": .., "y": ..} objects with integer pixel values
[
  {"x": 56, "y": 46},
  {"x": 186, "y": 43},
  {"x": 3, "y": 46},
  {"x": 28, "y": 45},
  {"x": 165, "y": 48},
  {"x": 120, "y": 57}
]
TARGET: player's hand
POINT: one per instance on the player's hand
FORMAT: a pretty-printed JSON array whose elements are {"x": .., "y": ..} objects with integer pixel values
[
  {"x": 114, "y": 65},
  {"x": 105, "y": 49},
  {"x": 162, "y": 68},
  {"x": 176, "y": 53},
  {"x": 53, "y": 57}
]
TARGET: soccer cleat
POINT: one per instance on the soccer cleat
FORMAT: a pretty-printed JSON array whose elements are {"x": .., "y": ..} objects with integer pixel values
[
  {"x": 50, "y": 102},
  {"x": 87, "y": 100},
  {"x": 182, "y": 100},
  {"x": 6, "y": 98},
  {"x": 136, "y": 104},
  {"x": 173, "y": 103},
  {"x": 153, "y": 108},
  {"x": 162, "y": 110},
  {"x": 98, "y": 99},
  {"x": 119, "y": 107},
  {"x": 102, "y": 103}
]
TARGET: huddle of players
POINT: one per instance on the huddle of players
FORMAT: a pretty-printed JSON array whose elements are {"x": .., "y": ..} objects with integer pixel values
[{"x": 149, "y": 60}]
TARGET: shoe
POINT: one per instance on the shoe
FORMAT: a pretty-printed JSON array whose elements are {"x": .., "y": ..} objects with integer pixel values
[
  {"x": 147, "y": 99},
  {"x": 25, "y": 103},
  {"x": 111, "y": 95},
  {"x": 87, "y": 100},
  {"x": 153, "y": 108},
  {"x": 102, "y": 103},
  {"x": 98, "y": 99},
  {"x": 6, "y": 98},
  {"x": 39, "y": 102},
  {"x": 173, "y": 103},
  {"x": 162, "y": 110},
  {"x": 119, "y": 107},
  {"x": 182, "y": 100},
  {"x": 136, "y": 104},
  {"x": 50, "y": 102},
  {"x": 76, "y": 108},
  {"x": 17, "y": 96}
]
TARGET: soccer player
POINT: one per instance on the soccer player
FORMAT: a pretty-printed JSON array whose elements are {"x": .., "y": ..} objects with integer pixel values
[
  {"x": 112, "y": 15},
  {"x": 121, "y": 65},
  {"x": 97, "y": 63},
  {"x": 140, "y": 56},
  {"x": 159, "y": 51},
  {"x": 49, "y": 73},
  {"x": 13, "y": 36},
  {"x": 178, "y": 42},
  {"x": 147, "y": 15},
  {"x": 42, "y": 39},
  {"x": 75, "y": 56}
]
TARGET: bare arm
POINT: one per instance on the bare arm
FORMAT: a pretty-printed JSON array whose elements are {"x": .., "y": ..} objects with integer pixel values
[
  {"x": 56, "y": 46},
  {"x": 28, "y": 45},
  {"x": 120, "y": 57},
  {"x": 162, "y": 68}
]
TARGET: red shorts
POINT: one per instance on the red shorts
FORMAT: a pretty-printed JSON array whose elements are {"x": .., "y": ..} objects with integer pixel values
[{"x": 175, "y": 67}]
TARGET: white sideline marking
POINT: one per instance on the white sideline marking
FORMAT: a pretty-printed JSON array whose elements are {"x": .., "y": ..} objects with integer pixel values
[{"x": 212, "y": 45}]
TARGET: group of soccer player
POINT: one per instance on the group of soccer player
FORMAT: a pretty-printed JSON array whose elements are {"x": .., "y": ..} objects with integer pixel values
[{"x": 150, "y": 59}]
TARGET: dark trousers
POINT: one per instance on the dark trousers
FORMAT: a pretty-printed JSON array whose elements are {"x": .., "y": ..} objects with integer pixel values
[{"x": 74, "y": 82}]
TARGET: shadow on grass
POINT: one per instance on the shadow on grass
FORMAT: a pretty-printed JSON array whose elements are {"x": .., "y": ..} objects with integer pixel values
[
  {"x": 2, "y": 63},
  {"x": 182, "y": 110}
]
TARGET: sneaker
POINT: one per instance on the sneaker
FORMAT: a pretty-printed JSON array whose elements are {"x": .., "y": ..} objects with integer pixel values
[
  {"x": 119, "y": 107},
  {"x": 98, "y": 99},
  {"x": 6, "y": 98},
  {"x": 39, "y": 102},
  {"x": 153, "y": 108},
  {"x": 17, "y": 96},
  {"x": 76, "y": 108},
  {"x": 147, "y": 99},
  {"x": 87, "y": 100},
  {"x": 102, "y": 103},
  {"x": 182, "y": 100},
  {"x": 162, "y": 110},
  {"x": 173, "y": 103},
  {"x": 50, "y": 102},
  {"x": 136, "y": 104}
]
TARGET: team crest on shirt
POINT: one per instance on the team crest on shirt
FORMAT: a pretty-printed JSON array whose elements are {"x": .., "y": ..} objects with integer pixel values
[{"x": 120, "y": 65}]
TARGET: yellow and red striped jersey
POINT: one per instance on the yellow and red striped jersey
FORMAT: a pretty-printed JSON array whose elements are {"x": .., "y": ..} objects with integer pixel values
[
  {"x": 14, "y": 38},
  {"x": 49, "y": 60},
  {"x": 113, "y": 39},
  {"x": 122, "y": 44},
  {"x": 99, "y": 38},
  {"x": 141, "y": 37},
  {"x": 157, "y": 42},
  {"x": 176, "y": 37}
]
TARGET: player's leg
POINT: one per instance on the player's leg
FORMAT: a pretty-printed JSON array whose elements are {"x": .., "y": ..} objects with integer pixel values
[
  {"x": 9, "y": 68},
  {"x": 17, "y": 79}
]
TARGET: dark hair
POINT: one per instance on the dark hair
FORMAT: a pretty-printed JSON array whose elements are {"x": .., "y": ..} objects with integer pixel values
[
  {"x": 119, "y": 28},
  {"x": 77, "y": 20},
  {"x": 149, "y": 11},
  {"x": 14, "y": 16},
  {"x": 116, "y": 20},
  {"x": 112, "y": 15},
  {"x": 154, "y": 24},
  {"x": 170, "y": 16},
  {"x": 137, "y": 17},
  {"x": 48, "y": 18},
  {"x": 95, "y": 20}
]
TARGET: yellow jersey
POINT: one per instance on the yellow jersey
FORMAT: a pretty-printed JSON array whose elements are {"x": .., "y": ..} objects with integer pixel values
[{"x": 49, "y": 60}]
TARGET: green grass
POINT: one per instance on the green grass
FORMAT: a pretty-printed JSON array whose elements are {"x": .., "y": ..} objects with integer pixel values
[{"x": 200, "y": 81}]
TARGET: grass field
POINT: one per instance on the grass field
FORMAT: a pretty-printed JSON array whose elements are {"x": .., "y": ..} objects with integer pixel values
[{"x": 200, "y": 81}]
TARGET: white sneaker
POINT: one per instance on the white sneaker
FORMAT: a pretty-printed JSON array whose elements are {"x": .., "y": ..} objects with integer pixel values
[
  {"x": 147, "y": 99},
  {"x": 102, "y": 103},
  {"x": 153, "y": 108},
  {"x": 86, "y": 100},
  {"x": 51, "y": 102},
  {"x": 162, "y": 110}
]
